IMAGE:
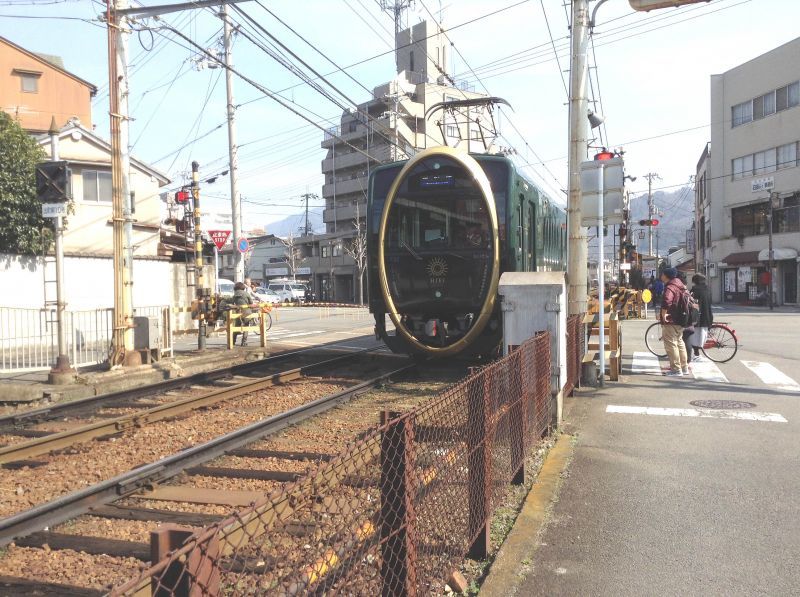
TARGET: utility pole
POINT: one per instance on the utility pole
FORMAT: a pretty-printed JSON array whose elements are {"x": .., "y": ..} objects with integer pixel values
[
  {"x": 122, "y": 345},
  {"x": 308, "y": 196},
  {"x": 577, "y": 247},
  {"x": 233, "y": 150},
  {"x": 202, "y": 292},
  {"x": 62, "y": 371},
  {"x": 650, "y": 176}
]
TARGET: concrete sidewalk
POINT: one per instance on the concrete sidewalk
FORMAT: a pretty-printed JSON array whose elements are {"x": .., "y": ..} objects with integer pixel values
[
  {"x": 18, "y": 388},
  {"x": 693, "y": 501}
]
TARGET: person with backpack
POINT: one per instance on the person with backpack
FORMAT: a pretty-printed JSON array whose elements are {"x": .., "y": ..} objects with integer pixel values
[
  {"x": 675, "y": 315},
  {"x": 702, "y": 295}
]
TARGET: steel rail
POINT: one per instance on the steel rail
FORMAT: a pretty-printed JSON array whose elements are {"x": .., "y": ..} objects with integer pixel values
[
  {"x": 64, "y": 439},
  {"x": 9, "y": 422},
  {"x": 80, "y": 502}
]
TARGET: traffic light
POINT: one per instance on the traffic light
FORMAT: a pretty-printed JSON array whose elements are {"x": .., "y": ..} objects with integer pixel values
[
  {"x": 648, "y": 222},
  {"x": 53, "y": 182},
  {"x": 182, "y": 197}
]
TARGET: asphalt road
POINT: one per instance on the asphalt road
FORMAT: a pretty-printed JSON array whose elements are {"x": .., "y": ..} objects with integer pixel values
[
  {"x": 682, "y": 505},
  {"x": 295, "y": 327}
]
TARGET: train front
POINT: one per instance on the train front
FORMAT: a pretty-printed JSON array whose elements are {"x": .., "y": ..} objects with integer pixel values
[{"x": 438, "y": 255}]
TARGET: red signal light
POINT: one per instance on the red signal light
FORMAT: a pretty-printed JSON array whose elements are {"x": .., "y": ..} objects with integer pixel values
[
  {"x": 654, "y": 222},
  {"x": 182, "y": 196},
  {"x": 604, "y": 155}
]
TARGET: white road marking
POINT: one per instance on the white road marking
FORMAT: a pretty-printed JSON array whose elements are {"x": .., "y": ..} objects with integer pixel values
[
  {"x": 706, "y": 370},
  {"x": 294, "y": 335},
  {"x": 743, "y": 415},
  {"x": 772, "y": 376},
  {"x": 645, "y": 363}
]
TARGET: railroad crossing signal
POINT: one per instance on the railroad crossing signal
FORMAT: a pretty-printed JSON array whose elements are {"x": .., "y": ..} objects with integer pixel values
[
  {"x": 53, "y": 182},
  {"x": 648, "y": 222}
]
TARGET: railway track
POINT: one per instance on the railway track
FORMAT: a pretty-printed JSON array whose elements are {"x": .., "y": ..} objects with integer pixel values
[
  {"x": 39, "y": 431},
  {"x": 105, "y": 540}
]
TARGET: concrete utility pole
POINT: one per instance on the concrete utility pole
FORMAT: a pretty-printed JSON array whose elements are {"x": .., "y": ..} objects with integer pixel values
[
  {"x": 62, "y": 371},
  {"x": 233, "y": 150},
  {"x": 650, "y": 176},
  {"x": 577, "y": 248},
  {"x": 122, "y": 344},
  {"x": 202, "y": 292}
]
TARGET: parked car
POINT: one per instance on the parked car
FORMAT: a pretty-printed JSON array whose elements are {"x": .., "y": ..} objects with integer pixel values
[
  {"x": 225, "y": 288},
  {"x": 266, "y": 295},
  {"x": 289, "y": 291}
]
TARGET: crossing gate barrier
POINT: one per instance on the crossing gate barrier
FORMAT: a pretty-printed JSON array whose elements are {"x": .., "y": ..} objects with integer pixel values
[{"x": 238, "y": 323}]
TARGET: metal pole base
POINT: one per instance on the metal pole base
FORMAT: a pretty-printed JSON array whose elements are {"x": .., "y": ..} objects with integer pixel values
[
  {"x": 133, "y": 358},
  {"x": 61, "y": 373}
]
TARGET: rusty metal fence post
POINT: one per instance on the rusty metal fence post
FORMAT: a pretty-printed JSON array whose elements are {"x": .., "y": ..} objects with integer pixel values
[
  {"x": 398, "y": 545},
  {"x": 518, "y": 422},
  {"x": 479, "y": 466},
  {"x": 193, "y": 575}
]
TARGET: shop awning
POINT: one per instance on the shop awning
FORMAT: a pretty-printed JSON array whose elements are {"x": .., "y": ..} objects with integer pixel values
[
  {"x": 778, "y": 254},
  {"x": 686, "y": 266},
  {"x": 743, "y": 258}
]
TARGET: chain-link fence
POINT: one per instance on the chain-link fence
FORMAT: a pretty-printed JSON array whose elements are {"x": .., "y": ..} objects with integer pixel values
[
  {"x": 394, "y": 514},
  {"x": 575, "y": 342}
]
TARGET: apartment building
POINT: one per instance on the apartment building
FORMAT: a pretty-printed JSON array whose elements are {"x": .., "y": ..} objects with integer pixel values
[
  {"x": 748, "y": 187},
  {"x": 391, "y": 126}
]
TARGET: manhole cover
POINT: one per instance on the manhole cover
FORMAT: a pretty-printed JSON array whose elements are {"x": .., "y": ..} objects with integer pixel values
[{"x": 726, "y": 404}]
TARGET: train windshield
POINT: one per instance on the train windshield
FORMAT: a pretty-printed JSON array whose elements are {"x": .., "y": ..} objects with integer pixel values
[{"x": 438, "y": 250}]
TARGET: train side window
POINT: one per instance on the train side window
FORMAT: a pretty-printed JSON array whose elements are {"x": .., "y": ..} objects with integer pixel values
[
  {"x": 520, "y": 235},
  {"x": 531, "y": 224},
  {"x": 539, "y": 228}
]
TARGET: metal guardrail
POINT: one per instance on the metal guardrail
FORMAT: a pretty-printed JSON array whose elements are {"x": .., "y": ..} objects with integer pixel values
[
  {"x": 29, "y": 337},
  {"x": 393, "y": 514}
]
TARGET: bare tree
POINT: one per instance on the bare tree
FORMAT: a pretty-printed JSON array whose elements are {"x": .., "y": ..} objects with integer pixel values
[
  {"x": 292, "y": 254},
  {"x": 357, "y": 249}
]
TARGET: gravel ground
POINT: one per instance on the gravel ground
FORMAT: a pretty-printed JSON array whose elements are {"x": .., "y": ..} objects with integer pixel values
[
  {"x": 329, "y": 433},
  {"x": 226, "y": 483},
  {"x": 93, "y": 526},
  {"x": 174, "y": 506},
  {"x": 67, "y": 566},
  {"x": 91, "y": 462}
]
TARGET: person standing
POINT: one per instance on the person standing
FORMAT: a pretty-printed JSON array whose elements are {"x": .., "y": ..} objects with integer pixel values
[
  {"x": 241, "y": 299},
  {"x": 702, "y": 295},
  {"x": 671, "y": 331}
]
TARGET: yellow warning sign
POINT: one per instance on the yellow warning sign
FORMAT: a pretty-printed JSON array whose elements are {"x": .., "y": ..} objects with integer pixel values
[{"x": 647, "y": 296}]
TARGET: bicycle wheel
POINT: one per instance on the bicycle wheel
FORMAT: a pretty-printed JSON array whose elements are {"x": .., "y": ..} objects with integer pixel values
[
  {"x": 655, "y": 340},
  {"x": 267, "y": 322},
  {"x": 721, "y": 345}
]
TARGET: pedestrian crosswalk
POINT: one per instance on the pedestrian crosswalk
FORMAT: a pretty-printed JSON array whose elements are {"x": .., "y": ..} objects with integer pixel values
[
  {"x": 646, "y": 363},
  {"x": 772, "y": 376}
]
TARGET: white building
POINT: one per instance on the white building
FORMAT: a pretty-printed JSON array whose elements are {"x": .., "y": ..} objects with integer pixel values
[{"x": 753, "y": 156}]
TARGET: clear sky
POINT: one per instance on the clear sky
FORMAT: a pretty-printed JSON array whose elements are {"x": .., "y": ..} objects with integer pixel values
[{"x": 652, "y": 75}]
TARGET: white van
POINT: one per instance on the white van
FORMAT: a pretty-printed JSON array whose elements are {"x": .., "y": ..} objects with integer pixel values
[
  {"x": 288, "y": 290},
  {"x": 225, "y": 288}
]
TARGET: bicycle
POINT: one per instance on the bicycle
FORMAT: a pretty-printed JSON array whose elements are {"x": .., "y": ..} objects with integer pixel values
[{"x": 720, "y": 346}]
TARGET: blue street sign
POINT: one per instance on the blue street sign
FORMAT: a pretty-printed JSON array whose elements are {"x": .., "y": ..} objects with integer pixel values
[{"x": 243, "y": 245}]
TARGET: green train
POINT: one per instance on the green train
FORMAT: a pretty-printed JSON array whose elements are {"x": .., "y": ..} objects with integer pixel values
[{"x": 441, "y": 229}]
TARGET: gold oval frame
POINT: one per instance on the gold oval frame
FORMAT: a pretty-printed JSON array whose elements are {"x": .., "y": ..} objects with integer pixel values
[{"x": 472, "y": 166}]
